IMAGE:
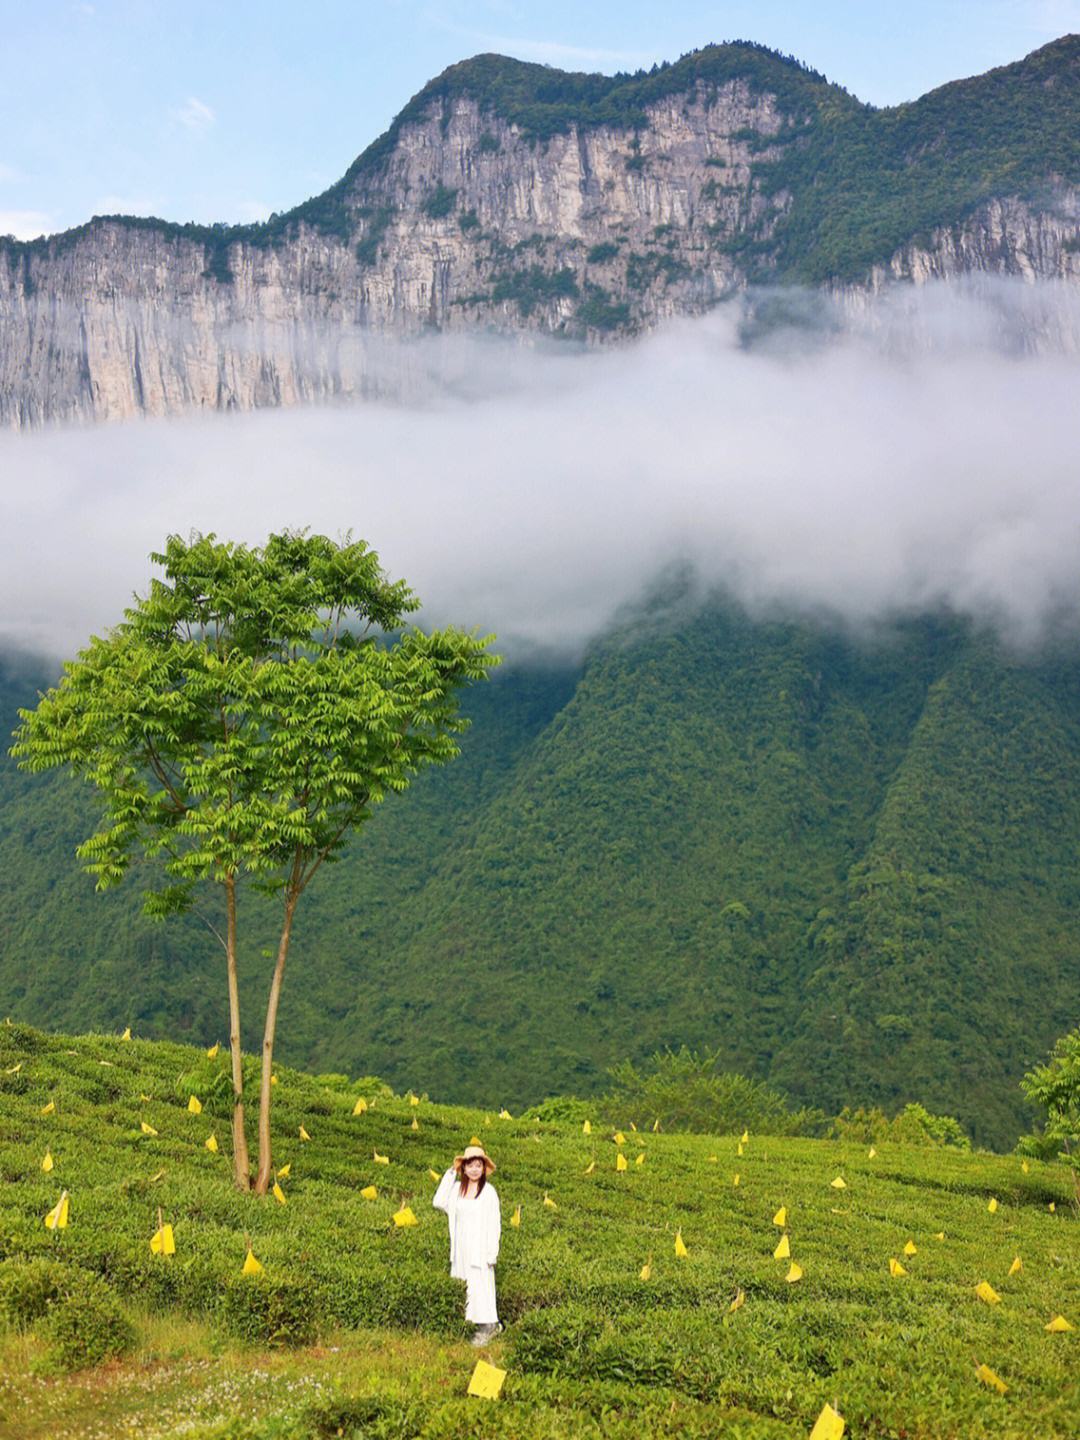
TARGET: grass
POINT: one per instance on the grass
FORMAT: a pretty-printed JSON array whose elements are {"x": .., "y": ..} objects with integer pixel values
[{"x": 590, "y": 1349}]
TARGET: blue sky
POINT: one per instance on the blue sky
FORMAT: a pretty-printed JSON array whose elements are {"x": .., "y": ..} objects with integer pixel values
[{"x": 228, "y": 109}]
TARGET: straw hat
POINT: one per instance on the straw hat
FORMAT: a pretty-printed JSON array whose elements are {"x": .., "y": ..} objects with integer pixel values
[{"x": 474, "y": 1152}]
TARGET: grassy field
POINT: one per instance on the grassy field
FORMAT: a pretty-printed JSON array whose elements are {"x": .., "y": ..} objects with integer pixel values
[{"x": 353, "y": 1327}]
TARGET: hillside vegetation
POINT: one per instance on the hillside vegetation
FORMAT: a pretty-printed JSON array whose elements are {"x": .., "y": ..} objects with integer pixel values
[
  {"x": 849, "y": 868},
  {"x": 591, "y": 1348}
]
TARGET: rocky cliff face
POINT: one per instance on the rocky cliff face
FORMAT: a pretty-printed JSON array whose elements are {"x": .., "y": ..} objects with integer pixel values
[{"x": 466, "y": 223}]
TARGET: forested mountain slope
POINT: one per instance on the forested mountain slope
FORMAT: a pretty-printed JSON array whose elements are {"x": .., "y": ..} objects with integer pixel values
[{"x": 848, "y": 863}]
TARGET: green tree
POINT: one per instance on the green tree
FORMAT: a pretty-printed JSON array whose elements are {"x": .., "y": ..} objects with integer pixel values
[
  {"x": 246, "y": 717},
  {"x": 1056, "y": 1086}
]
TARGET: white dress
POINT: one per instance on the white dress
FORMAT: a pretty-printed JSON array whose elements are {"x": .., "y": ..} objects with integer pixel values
[{"x": 475, "y": 1229}]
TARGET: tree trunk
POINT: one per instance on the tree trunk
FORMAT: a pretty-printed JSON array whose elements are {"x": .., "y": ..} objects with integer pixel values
[
  {"x": 262, "y": 1182},
  {"x": 241, "y": 1163}
]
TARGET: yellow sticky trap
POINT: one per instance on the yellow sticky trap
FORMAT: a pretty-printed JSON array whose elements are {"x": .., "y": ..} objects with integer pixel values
[
  {"x": 738, "y": 1149},
  {"x": 369, "y": 1192},
  {"x": 656, "y": 1125},
  {"x": 633, "y": 1127},
  {"x": 504, "y": 1114},
  {"x": 157, "y": 1175},
  {"x": 735, "y": 1178},
  {"x": 839, "y": 1183},
  {"x": 1052, "y": 1207},
  {"x": 987, "y": 1376},
  {"x": 1058, "y": 1325},
  {"x": 738, "y": 1302},
  {"x": 871, "y": 1153},
  {"x": 620, "y": 1161},
  {"x": 380, "y": 1159},
  {"x": 278, "y": 1193},
  {"x": 1025, "y": 1167},
  {"x": 147, "y": 1128},
  {"x": 251, "y": 1266},
  {"x": 549, "y": 1202},
  {"x": 992, "y": 1207},
  {"x": 414, "y": 1099},
  {"x": 194, "y": 1105},
  {"x": 829, "y": 1425},
  {"x": 515, "y": 1218},
  {"x": 360, "y": 1108},
  {"x": 211, "y": 1144},
  {"x": 303, "y": 1134},
  {"x": 49, "y": 1109},
  {"x": 895, "y": 1268},
  {"x": 780, "y": 1218},
  {"x": 589, "y": 1168},
  {"x": 940, "y": 1235},
  {"x": 714, "y": 1159},
  {"x": 794, "y": 1274},
  {"x": 640, "y": 1159},
  {"x": 745, "y": 1138},
  {"x": 985, "y": 1291},
  {"x": 681, "y": 1251},
  {"x": 127, "y": 1034},
  {"x": 620, "y": 1138},
  {"x": 487, "y": 1381},
  {"x": 783, "y": 1249},
  {"x": 910, "y": 1248},
  {"x": 476, "y": 1140},
  {"x": 415, "y": 1124},
  {"x": 586, "y": 1128},
  {"x": 434, "y": 1174},
  {"x": 47, "y": 1161},
  {"x": 645, "y": 1272},
  {"x": 57, "y": 1218},
  {"x": 283, "y": 1173},
  {"x": 144, "y": 1097},
  {"x": 404, "y": 1218},
  {"x": 14, "y": 1069},
  {"x": 212, "y": 1053},
  {"x": 1016, "y": 1266},
  {"x": 162, "y": 1242},
  {"x": 273, "y": 1080}
]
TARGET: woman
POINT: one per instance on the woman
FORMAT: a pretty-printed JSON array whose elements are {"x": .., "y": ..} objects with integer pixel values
[{"x": 472, "y": 1207}]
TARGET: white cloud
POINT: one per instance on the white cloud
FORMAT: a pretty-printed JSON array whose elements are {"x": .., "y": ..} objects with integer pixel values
[
  {"x": 8, "y": 173},
  {"x": 195, "y": 115},
  {"x": 251, "y": 211},
  {"x": 554, "y": 52},
  {"x": 26, "y": 224},
  {"x": 128, "y": 205}
]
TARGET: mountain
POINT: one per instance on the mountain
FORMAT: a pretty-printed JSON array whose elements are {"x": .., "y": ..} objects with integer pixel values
[
  {"x": 847, "y": 864},
  {"x": 517, "y": 197}
]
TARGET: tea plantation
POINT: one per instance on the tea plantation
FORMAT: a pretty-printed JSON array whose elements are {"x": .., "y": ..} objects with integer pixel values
[{"x": 353, "y": 1328}]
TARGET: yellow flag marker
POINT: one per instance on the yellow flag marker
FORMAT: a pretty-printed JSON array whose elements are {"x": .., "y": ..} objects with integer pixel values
[
  {"x": 414, "y": 1099},
  {"x": 829, "y": 1425},
  {"x": 57, "y": 1218},
  {"x": 794, "y": 1274},
  {"x": 681, "y": 1251},
  {"x": 273, "y": 1080},
  {"x": 640, "y": 1159},
  {"x": 620, "y": 1161},
  {"x": 146, "y": 1128},
  {"x": 656, "y": 1125},
  {"x": 738, "y": 1302},
  {"x": 360, "y": 1108},
  {"x": 839, "y": 1183},
  {"x": 515, "y": 1218},
  {"x": 144, "y": 1097},
  {"x": 714, "y": 1159},
  {"x": 162, "y": 1242},
  {"x": 47, "y": 1161},
  {"x": 646, "y": 1270},
  {"x": 434, "y": 1174},
  {"x": 1051, "y": 1207},
  {"x": 738, "y": 1148},
  {"x": 251, "y": 1266},
  {"x": 987, "y": 1376},
  {"x": 504, "y": 1114},
  {"x": 487, "y": 1381},
  {"x": 404, "y": 1218},
  {"x": 745, "y": 1138},
  {"x": 871, "y": 1153},
  {"x": 586, "y": 1128},
  {"x": 590, "y": 1167},
  {"x": 1016, "y": 1266},
  {"x": 986, "y": 1291},
  {"x": 780, "y": 1218},
  {"x": 303, "y": 1134},
  {"x": 127, "y": 1034},
  {"x": 415, "y": 1124},
  {"x": 620, "y": 1138},
  {"x": 1058, "y": 1325},
  {"x": 735, "y": 1178},
  {"x": 194, "y": 1105},
  {"x": 992, "y": 1207},
  {"x": 783, "y": 1249},
  {"x": 211, "y": 1144},
  {"x": 476, "y": 1140},
  {"x": 369, "y": 1192},
  {"x": 157, "y": 1175},
  {"x": 278, "y": 1193},
  {"x": 940, "y": 1235},
  {"x": 633, "y": 1127},
  {"x": 49, "y": 1109},
  {"x": 549, "y": 1202},
  {"x": 910, "y": 1248},
  {"x": 212, "y": 1053},
  {"x": 895, "y": 1268},
  {"x": 1025, "y": 1167},
  {"x": 380, "y": 1159},
  {"x": 283, "y": 1173},
  {"x": 14, "y": 1069}
]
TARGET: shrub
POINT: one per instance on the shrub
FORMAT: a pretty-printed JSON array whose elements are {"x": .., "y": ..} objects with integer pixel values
[
  {"x": 488, "y": 144},
  {"x": 27, "y": 1290},
  {"x": 606, "y": 250},
  {"x": 278, "y": 1312},
  {"x": 469, "y": 221},
  {"x": 440, "y": 202},
  {"x": 914, "y": 1125},
  {"x": 85, "y": 1326}
]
